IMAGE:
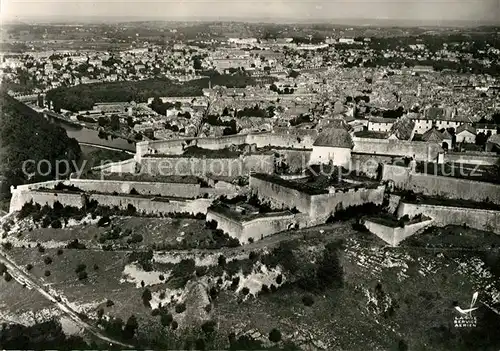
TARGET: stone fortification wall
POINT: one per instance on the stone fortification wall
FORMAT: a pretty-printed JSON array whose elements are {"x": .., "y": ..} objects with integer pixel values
[
  {"x": 254, "y": 229},
  {"x": 31, "y": 192},
  {"x": 154, "y": 206},
  {"x": 444, "y": 215},
  {"x": 317, "y": 207},
  {"x": 393, "y": 236},
  {"x": 322, "y": 206},
  {"x": 176, "y": 146},
  {"x": 227, "y": 167},
  {"x": 127, "y": 166},
  {"x": 44, "y": 198},
  {"x": 280, "y": 197},
  {"x": 485, "y": 158},
  {"x": 423, "y": 151},
  {"x": 295, "y": 159},
  {"x": 184, "y": 190},
  {"x": 433, "y": 185},
  {"x": 369, "y": 164}
]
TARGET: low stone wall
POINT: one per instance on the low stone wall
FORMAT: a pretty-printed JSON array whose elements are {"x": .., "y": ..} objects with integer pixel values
[
  {"x": 393, "y": 236},
  {"x": 444, "y": 215},
  {"x": 44, "y": 198},
  {"x": 433, "y": 185},
  {"x": 254, "y": 229}
]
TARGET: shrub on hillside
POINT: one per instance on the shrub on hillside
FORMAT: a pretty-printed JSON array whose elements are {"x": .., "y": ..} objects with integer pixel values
[
  {"x": 47, "y": 260},
  {"x": 75, "y": 244},
  {"x": 146, "y": 297},
  {"x": 7, "y": 245},
  {"x": 166, "y": 318},
  {"x": 82, "y": 275},
  {"x": 7, "y": 277},
  {"x": 103, "y": 221},
  {"x": 245, "y": 291},
  {"x": 275, "y": 335},
  {"x": 221, "y": 261},
  {"x": 307, "y": 300},
  {"x": 109, "y": 303},
  {"x": 179, "y": 308},
  {"x": 208, "y": 327},
  {"x": 59, "y": 252},
  {"x": 3, "y": 268},
  {"x": 46, "y": 273},
  {"x": 80, "y": 268},
  {"x": 174, "y": 325},
  {"x": 56, "y": 224},
  {"x": 29, "y": 267}
]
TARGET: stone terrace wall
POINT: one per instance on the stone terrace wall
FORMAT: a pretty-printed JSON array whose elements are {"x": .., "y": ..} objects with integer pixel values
[
  {"x": 423, "y": 151},
  {"x": 204, "y": 166},
  {"x": 445, "y": 215},
  {"x": 433, "y": 185}
]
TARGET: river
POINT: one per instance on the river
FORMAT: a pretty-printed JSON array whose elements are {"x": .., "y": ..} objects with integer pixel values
[{"x": 91, "y": 136}]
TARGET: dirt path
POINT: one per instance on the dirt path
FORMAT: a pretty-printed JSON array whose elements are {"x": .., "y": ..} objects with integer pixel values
[{"x": 23, "y": 278}]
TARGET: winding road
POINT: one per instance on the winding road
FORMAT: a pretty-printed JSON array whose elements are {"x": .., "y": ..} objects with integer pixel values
[{"x": 31, "y": 282}]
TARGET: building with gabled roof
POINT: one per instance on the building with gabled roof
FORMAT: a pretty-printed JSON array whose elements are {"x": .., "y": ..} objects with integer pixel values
[
  {"x": 332, "y": 146},
  {"x": 466, "y": 134}
]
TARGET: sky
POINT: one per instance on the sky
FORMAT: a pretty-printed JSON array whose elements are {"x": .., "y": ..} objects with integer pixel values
[{"x": 416, "y": 10}]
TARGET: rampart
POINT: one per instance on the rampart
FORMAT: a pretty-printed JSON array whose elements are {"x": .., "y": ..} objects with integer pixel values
[
  {"x": 433, "y": 185},
  {"x": 184, "y": 190},
  {"x": 198, "y": 166},
  {"x": 254, "y": 229},
  {"x": 143, "y": 204},
  {"x": 176, "y": 146},
  {"x": 445, "y": 215},
  {"x": 421, "y": 151},
  {"x": 394, "y": 235},
  {"x": 319, "y": 206}
]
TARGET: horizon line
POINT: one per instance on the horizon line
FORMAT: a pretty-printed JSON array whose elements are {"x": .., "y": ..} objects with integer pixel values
[{"x": 56, "y": 19}]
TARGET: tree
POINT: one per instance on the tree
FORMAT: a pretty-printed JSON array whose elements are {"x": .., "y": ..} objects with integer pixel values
[
  {"x": 115, "y": 122},
  {"x": 146, "y": 297},
  {"x": 130, "y": 327}
]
